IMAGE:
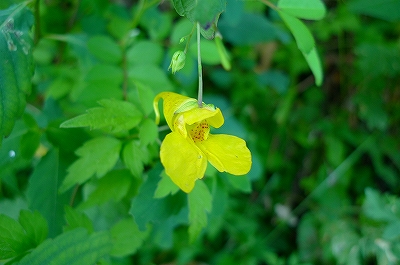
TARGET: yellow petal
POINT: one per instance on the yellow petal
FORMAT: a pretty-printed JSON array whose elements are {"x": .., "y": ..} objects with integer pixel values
[
  {"x": 227, "y": 153},
  {"x": 183, "y": 161},
  {"x": 213, "y": 117},
  {"x": 172, "y": 103}
]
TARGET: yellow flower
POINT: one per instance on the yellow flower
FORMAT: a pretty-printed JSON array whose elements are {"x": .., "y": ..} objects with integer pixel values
[{"x": 186, "y": 150}]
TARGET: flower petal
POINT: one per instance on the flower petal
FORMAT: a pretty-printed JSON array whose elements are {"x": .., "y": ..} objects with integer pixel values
[
  {"x": 183, "y": 161},
  {"x": 172, "y": 103},
  {"x": 213, "y": 117},
  {"x": 227, "y": 153}
]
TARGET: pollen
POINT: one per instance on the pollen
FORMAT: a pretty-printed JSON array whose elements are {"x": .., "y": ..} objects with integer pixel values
[{"x": 200, "y": 132}]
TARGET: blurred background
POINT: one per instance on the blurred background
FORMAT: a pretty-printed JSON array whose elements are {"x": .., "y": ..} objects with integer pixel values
[{"x": 324, "y": 185}]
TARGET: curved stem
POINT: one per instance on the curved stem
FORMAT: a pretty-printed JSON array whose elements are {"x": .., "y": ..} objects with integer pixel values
[{"x": 199, "y": 68}]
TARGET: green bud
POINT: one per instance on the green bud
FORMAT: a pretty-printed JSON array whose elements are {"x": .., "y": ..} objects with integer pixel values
[{"x": 177, "y": 62}]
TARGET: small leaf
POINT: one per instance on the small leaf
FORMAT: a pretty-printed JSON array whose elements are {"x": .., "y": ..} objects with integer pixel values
[
  {"x": 114, "y": 115},
  {"x": 71, "y": 248},
  {"x": 35, "y": 226},
  {"x": 132, "y": 156},
  {"x": 16, "y": 68},
  {"x": 199, "y": 200},
  {"x": 310, "y": 9},
  {"x": 302, "y": 35},
  {"x": 97, "y": 156},
  {"x": 148, "y": 132},
  {"x": 113, "y": 186},
  {"x": 13, "y": 239},
  {"x": 126, "y": 238},
  {"x": 165, "y": 186},
  {"x": 105, "y": 49},
  {"x": 77, "y": 219}
]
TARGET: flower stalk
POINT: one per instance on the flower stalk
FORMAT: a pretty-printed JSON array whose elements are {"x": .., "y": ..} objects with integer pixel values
[{"x": 199, "y": 68}]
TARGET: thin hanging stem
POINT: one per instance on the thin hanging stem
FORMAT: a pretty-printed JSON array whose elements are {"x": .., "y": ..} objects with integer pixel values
[{"x": 199, "y": 67}]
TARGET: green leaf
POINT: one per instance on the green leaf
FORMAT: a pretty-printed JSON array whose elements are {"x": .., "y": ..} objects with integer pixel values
[
  {"x": 13, "y": 239},
  {"x": 383, "y": 9},
  {"x": 241, "y": 183},
  {"x": 114, "y": 115},
  {"x": 126, "y": 238},
  {"x": 105, "y": 49},
  {"x": 97, "y": 156},
  {"x": 314, "y": 63},
  {"x": 44, "y": 197},
  {"x": 35, "y": 226},
  {"x": 145, "y": 208},
  {"x": 16, "y": 68},
  {"x": 77, "y": 219},
  {"x": 146, "y": 96},
  {"x": 133, "y": 158},
  {"x": 310, "y": 9},
  {"x": 379, "y": 207},
  {"x": 148, "y": 132},
  {"x": 113, "y": 186},
  {"x": 71, "y": 248},
  {"x": 304, "y": 39},
  {"x": 165, "y": 187},
  {"x": 145, "y": 52},
  {"x": 199, "y": 200},
  {"x": 150, "y": 75}
]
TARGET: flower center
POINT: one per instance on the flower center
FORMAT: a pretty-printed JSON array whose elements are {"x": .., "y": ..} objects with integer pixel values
[{"x": 200, "y": 131}]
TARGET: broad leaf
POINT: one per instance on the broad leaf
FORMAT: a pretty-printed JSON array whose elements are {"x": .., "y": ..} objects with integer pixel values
[
  {"x": 71, "y": 248},
  {"x": 97, "y": 156},
  {"x": 16, "y": 66},
  {"x": 105, "y": 49},
  {"x": 114, "y": 115},
  {"x": 42, "y": 192},
  {"x": 199, "y": 200},
  {"x": 126, "y": 238},
  {"x": 306, "y": 9}
]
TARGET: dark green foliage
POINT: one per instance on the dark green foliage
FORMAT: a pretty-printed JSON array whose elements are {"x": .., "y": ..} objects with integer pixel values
[{"x": 313, "y": 88}]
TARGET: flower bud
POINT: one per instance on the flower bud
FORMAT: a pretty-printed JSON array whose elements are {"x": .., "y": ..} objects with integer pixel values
[{"x": 177, "y": 62}]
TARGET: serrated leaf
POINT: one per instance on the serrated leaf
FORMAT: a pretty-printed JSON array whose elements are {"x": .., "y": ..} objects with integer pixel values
[
  {"x": 77, "y": 219},
  {"x": 16, "y": 68},
  {"x": 74, "y": 247},
  {"x": 304, "y": 39},
  {"x": 105, "y": 49},
  {"x": 310, "y": 9},
  {"x": 165, "y": 186},
  {"x": 126, "y": 238},
  {"x": 113, "y": 186},
  {"x": 45, "y": 198},
  {"x": 13, "y": 239},
  {"x": 148, "y": 132},
  {"x": 114, "y": 115},
  {"x": 133, "y": 158},
  {"x": 35, "y": 226},
  {"x": 97, "y": 156},
  {"x": 314, "y": 63},
  {"x": 199, "y": 200}
]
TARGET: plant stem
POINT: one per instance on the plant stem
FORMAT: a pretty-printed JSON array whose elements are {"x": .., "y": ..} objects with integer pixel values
[{"x": 199, "y": 68}]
